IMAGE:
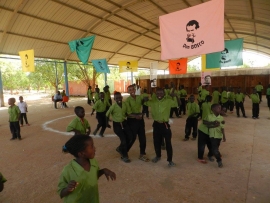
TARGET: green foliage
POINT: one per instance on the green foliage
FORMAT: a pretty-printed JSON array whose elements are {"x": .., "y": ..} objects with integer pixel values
[{"x": 192, "y": 68}]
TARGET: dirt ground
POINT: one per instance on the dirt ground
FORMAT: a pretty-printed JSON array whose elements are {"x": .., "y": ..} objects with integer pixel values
[{"x": 33, "y": 165}]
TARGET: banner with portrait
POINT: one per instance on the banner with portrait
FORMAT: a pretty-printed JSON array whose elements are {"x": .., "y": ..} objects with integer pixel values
[
  {"x": 178, "y": 66},
  {"x": 28, "y": 60},
  {"x": 206, "y": 78},
  {"x": 128, "y": 66},
  {"x": 101, "y": 65},
  {"x": 153, "y": 73}
]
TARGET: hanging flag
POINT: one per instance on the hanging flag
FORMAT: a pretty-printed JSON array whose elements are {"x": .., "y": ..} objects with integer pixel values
[
  {"x": 28, "y": 60},
  {"x": 206, "y": 78},
  {"x": 178, "y": 66},
  {"x": 203, "y": 64},
  {"x": 193, "y": 31},
  {"x": 153, "y": 73},
  {"x": 101, "y": 65},
  {"x": 128, "y": 66},
  {"x": 232, "y": 55},
  {"x": 82, "y": 47}
]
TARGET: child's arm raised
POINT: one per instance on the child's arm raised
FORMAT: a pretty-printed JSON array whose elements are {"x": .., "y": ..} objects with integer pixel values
[
  {"x": 70, "y": 187},
  {"x": 108, "y": 173}
]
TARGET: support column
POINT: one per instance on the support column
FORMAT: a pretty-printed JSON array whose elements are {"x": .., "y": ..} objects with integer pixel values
[
  {"x": 56, "y": 76},
  {"x": 2, "y": 104},
  {"x": 105, "y": 79},
  {"x": 66, "y": 78},
  {"x": 131, "y": 74}
]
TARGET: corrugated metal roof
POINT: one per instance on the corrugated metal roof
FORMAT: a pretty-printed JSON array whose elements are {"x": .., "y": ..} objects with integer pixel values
[{"x": 125, "y": 30}]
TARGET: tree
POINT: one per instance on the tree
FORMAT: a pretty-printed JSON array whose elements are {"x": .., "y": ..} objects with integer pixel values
[{"x": 192, "y": 68}]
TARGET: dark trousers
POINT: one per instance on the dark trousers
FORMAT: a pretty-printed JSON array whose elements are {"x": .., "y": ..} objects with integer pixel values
[
  {"x": 215, "y": 148},
  {"x": 191, "y": 123},
  {"x": 15, "y": 129},
  {"x": 174, "y": 110},
  {"x": 145, "y": 111},
  {"x": 55, "y": 102},
  {"x": 255, "y": 110},
  {"x": 123, "y": 131},
  {"x": 231, "y": 105},
  {"x": 260, "y": 95},
  {"x": 225, "y": 105},
  {"x": 137, "y": 127},
  {"x": 200, "y": 106},
  {"x": 241, "y": 106},
  {"x": 23, "y": 116},
  {"x": 182, "y": 106},
  {"x": 161, "y": 130},
  {"x": 89, "y": 101},
  {"x": 203, "y": 139},
  {"x": 102, "y": 122}
]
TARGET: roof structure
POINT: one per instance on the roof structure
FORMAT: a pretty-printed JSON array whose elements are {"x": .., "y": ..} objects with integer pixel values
[{"x": 125, "y": 30}]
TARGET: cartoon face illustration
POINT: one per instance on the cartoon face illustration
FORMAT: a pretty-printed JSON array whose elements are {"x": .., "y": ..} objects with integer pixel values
[
  {"x": 207, "y": 79},
  {"x": 100, "y": 65},
  {"x": 178, "y": 66},
  {"x": 26, "y": 60},
  {"x": 224, "y": 54},
  {"x": 128, "y": 66},
  {"x": 191, "y": 28}
]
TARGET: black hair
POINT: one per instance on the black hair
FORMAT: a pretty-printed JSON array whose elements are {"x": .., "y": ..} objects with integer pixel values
[
  {"x": 159, "y": 89},
  {"x": 145, "y": 90},
  {"x": 193, "y": 22},
  {"x": 178, "y": 63},
  {"x": 101, "y": 93},
  {"x": 208, "y": 98},
  {"x": 131, "y": 86},
  {"x": 76, "y": 144},
  {"x": 117, "y": 93},
  {"x": 214, "y": 106},
  {"x": 77, "y": 109}
]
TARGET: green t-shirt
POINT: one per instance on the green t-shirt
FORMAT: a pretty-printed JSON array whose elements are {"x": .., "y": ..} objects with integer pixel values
[
  {"x": 107, "y": 96},
  {"x": 160, "y": 109},
  {"x": 231, "y": 96},
  {"x": 78, "y": 124},
  {"x": 96, "y": 97},
  {"x": 182, "y": 93},
  {"x": 215, "y": 97},
  {"x": 215, "y": 132},
  {"x": 135, "y": 104},
  {"x": 193, "y": 108},
  {"x": 89, "y": 94},
  {"x": 239, "y": 97},
  {"x": 14, "y": 113},
  {"x": 203, "y": 94},
  {"x": 206, "y": 109},
  {"x": 167, "y": 92},
  {"x": 199, "y": 89},
  {"x": 119, "y": 114},
  {"x": 100, "y": 106},
  {"x": 224, "y": 97},
  {"x": 255, "y": 98},
  {"x": 87, "y": 189},
  {"x": 3, "y": 178},
  {"x": 259, "y": 88},
  {"x": 268, "y": 92},
  {"x": 203, "y": 128}
]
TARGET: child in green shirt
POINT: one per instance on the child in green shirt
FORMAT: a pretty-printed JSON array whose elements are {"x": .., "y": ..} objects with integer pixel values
[
  {"x": 14, "y": 116},
  {"x": 145, "y": 108},
  {"x": 231, "y": 100},
  {"x": 216, "y": 95},
  {"x": 255, "y": 104},
  {"x": 78, "y": 180},
  {"x": 239, "y": 103},
  {"x": 215, "y": 124},
  {"x": 2, "y": 181},
  {"x": 90, "y": 96},
  {"x": 79, "y": 125},
  {"x": 96, "y": 96},
  {"x": 206, "y": 107}
]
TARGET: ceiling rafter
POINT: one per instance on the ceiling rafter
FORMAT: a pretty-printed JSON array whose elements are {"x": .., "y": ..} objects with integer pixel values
[{"x": 252, "y": 17}]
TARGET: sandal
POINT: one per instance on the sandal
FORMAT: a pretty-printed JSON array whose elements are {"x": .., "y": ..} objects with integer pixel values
[
  {"x": 211, "y": 158},
  {"x": 202, "y": 161},
  {"x": 144, "y": 158},
  {"x": 125, "y": 159},
  {"x": 156, "y": 159}
]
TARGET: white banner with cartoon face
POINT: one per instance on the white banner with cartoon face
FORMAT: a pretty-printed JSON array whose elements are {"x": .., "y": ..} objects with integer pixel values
[{"x": 153, "y": 73}]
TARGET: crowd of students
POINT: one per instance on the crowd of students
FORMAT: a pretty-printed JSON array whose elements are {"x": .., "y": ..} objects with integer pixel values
[{"x": 78, "y": 180}]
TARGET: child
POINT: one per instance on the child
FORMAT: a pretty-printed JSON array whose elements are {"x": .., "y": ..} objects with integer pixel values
[
  {"x": 90, "y": 96},
  {"x": 224, "y": 98},
  {"x": 78, "y": 180},
  {"x": 23, "y": 108},
  {"x": 79, "y": 125},
  {"x": 206, "y": 107},
  {"x": 231, "y": 99},
  {"x": 215, "y": 96},
  {"x": 215, "y": 124},
  {"x": 119, "y": 112},
  {"x": 14, "y": 115},
  {"x": 255, "y": 104},
  {"x": 183, "y": 95},
  {"x": 96, "y": 97},
  {"x": 2, "y": 181},
  {"x": 100, "y": 107},
  {"x": 239, "y": 103},
  {"x": 192, "y": 120},
  {"x": 160, "y": 109},
  {"x": 145, "y": 108},
  {"x": 174, "y": 108}
]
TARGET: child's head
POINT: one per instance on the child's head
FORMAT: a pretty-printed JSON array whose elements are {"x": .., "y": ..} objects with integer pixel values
[
  {"x": 11, "y": 101},
  {"x": 208, "y": 98},
  {"x": 131, "y": 90},
  {"x": 160, "y": 93},
  {"x": 144, "y": 90},
  {"x": 239, "y": 90},
  {"x": 89, "y": 87},
  {"x": 216, "y": 108},
  {"x": 101, "y": 95},
  {"x": 206, "y": 87},
  {"x": 79, "y": 111},
  {"x": 80, "y": 146},
  {"x": 118, "y": 97},
  {"x": 97, "y": 90},
  {"x": 224, "y": 88},
  {"x": 254, "y": 91},
  {"x": 20, "y": 98},
  {"x": 191, "y": 98},
  {"x": 105, "y": 89}
]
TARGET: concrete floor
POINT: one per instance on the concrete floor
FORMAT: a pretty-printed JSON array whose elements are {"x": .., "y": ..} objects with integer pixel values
[{"x": 32, "y": 166}]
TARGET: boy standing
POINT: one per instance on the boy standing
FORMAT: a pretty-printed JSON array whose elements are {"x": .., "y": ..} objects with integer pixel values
[
  {"x": 255, "y": 104},
  {"x": 259, "y": 89},
  {"x": 215, "y": 124},
  {"x": 14, "y": 115},
  {"x": 145, "y": 108},
  {"x": 216, "y": 96},
  {"x": 239, "y": 103},
  {"x": 23, "y": 108},
  {"x": 192, "y": 120},
  {"x": 160, "y": 109},
  {"x": 183, "y": 95},
  {"x": 100, "y": 107},
  {"x": 231, "y": 99},
  {"x": 79, "y": 125},
  {"x": 224, "y": 98}
]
